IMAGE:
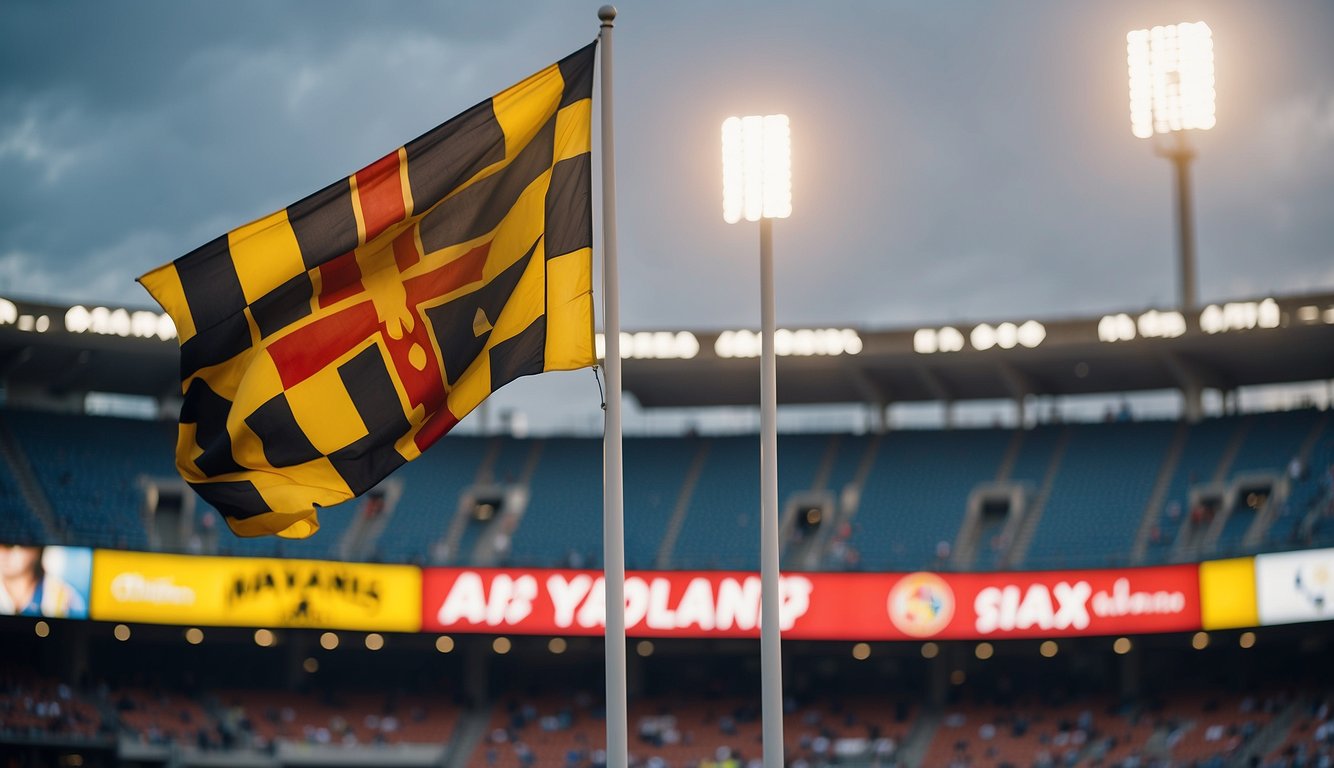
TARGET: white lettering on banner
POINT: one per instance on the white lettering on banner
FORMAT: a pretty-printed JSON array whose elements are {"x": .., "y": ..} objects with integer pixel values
[
  {"x": 1074, "y": 605},
  {"x": 594, "y": 612},
  {"x": 794, "y": 594},
  {"x": 697, "y": 606},
  {"x": 739, "y": 604},
  {"x": 510, "y": 601},
  {"x": 132, "y": 587},
  {"x": 579, "y": 600},
  {"x": 1010, "y": 607},
  {"x": 1123, "y": 602},
  {"x": 566, "y": 595}
]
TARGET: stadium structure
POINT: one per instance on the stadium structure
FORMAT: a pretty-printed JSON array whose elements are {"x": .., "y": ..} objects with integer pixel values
[{"x": 1122, "y": 591}]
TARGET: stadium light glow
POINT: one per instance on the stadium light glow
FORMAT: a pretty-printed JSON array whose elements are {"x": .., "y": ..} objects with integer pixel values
[
  {"x": 652, "y": 345},
  {"x": 757, "y": 168},
  {"x": 374, "y": 641},
  {"x": 644, "y": 648},
  {"x": 804, "y": 342},
  {"x": 42, "y": 629},
  {"x": 1171, "y": 79},
  {"x": 328, "y": 641},
  {"x": 1153, "y": 324},
  {"x": 311, "y": 665},
  {"x": 1247, "y": 640},
  {"x": 194, "y": 635},
  {"x": 1029, "y": 334},
  {"x": 121, "y": 632},
  {"x": 104, "y": 321},
  {"x": 1199, "y": 641},
  {"x": 264, "y": 638},
  {"x": 1048, "y": 649},
  {"x": 444, "y": 644},
  {"x": 501, "y": 645},
  {"x": 557, "y": 645},
  {"x": 861, "y": 651},
  {"x": 1161, "y": 325},
  {"x": 1240, "y": 316},
  {"x": 984, "y": 651},
  {"x": 930, "y": 650},
  {"x": 1122, "y": 646}
]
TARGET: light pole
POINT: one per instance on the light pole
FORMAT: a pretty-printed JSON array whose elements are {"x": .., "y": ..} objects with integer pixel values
[
  {"x": 1171, "y": 92},
  {"x": 757, "y": 186}
]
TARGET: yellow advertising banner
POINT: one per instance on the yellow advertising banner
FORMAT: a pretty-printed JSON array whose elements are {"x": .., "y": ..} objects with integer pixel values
[
  {"x": 254, "y": 592},
  {"x": 1227, "y": 593}
]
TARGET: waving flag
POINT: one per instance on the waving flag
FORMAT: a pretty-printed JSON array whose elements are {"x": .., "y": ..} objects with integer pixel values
[{"x": 327, "y": 344}]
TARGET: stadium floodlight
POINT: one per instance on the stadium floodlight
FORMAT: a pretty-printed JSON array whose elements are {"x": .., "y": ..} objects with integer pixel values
[
  {"x": 1171, "y": 79},
  {"x": 757, "y": 168},
  {"x": 1171, "y": 92},
  {"x": 757, "y": 186}
]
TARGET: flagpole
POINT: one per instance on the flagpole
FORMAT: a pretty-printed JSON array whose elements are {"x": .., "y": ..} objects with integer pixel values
[{"x": 613, "y": 502}]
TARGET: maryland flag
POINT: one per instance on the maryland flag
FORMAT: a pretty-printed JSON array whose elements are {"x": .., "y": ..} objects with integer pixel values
[{"x": 325, "y": 345}]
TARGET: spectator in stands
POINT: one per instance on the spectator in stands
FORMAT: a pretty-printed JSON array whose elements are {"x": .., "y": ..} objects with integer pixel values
[{"x": 26, "y": 589}]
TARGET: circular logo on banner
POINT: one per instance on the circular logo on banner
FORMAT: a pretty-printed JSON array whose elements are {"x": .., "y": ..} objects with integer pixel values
[{"x": 921, "y": 604}]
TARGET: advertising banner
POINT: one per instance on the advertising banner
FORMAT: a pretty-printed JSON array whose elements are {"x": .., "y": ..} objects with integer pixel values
[
  {"x": 254, "y": 592},
  {"x": 1227, "y": 593},
  {"x": 44, "y": 581},
  {"x": 828, "y": 606},
  {"x": 1295, "y": 586}
]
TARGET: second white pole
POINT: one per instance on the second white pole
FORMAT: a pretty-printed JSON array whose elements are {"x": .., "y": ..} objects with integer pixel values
[{"x": 771, "y": 656}]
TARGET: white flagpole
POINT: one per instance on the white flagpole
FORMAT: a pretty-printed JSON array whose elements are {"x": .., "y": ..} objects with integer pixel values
[{"x": 613, "y": 502}]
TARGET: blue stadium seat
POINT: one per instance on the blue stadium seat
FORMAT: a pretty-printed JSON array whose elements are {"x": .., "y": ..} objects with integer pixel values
[
  {"x": 1098, "y": 497},
  {"x": 918, "y": 490},
  {"x": 88, "y": 467}
]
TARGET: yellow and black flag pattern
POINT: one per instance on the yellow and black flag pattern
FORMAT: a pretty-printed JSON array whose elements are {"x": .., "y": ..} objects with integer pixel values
[{"x": 326, "y": 344}]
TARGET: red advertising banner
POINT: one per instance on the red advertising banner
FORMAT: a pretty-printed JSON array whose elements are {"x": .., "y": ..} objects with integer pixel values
[{"x": 819, "y": 606}]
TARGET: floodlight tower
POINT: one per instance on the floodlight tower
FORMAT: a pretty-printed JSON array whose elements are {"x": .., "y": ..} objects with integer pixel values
[
  {"x": 1171, "y": 92},
  {"x": 757, "y": 186}
]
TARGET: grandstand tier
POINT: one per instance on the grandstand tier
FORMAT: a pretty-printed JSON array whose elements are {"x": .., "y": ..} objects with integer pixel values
[{"x": 1093, "y": 495}]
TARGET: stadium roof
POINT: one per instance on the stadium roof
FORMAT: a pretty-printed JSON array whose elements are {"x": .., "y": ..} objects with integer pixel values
[{"x": 51, "y": 350}]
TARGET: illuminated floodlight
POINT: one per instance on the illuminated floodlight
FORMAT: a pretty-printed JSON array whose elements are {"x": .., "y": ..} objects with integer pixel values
[
  {"x": 757, "y": 168},
  {"x": 1171, "y": 79}
]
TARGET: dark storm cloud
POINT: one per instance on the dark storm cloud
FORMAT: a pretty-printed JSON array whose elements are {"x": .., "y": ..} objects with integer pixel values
[{"x": 966, "y": 161}]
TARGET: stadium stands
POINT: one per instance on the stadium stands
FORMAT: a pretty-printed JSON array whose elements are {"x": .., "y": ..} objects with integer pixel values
[
  {"x": 917, "y": 491},
  {"x": 89, "y": 469},
  {"x": 431, "y": 488},
  {"x": 694, "y": 499},
  {"x": 1106, "y": 474},
  {"x": 32, "y": 706},
  {"x": 266, "y": 717}
]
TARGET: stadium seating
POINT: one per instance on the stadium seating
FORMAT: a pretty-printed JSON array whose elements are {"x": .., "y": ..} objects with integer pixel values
[
  {"x": 343, "y": 718},
  {"x": 1311, "y": 737},
  {"x": 1016, "y": 733},
  {"x": 165, "y": 717},
  {"x": 655, "y": 469},
  {"x": 431, "y": 488},
  {"x": 721, "y": 527},
  {"x": 563, "y": 516},
  {"x": 1205, "y": 445},
  {"x": 914, "y": 496},
  {"x": 18, "y": 523},
  {"x": 1106, "y": 475},
  {"x": 32, "y": 706},
  {"x": 89, "y": 467},
  {"x": 917, "y": 493}
]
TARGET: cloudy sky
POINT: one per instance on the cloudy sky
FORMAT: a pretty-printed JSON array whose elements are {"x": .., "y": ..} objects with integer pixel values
[{"x": 951, "y": 161}]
